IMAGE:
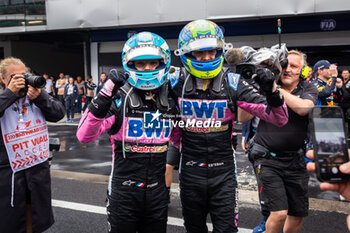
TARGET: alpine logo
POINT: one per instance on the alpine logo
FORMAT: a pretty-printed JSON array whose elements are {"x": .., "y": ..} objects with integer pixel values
[
  {"x": 128, "y": 182},
  {"x": 191, "y": 163}
]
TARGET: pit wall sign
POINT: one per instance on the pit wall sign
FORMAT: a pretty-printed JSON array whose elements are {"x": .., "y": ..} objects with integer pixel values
[{"x": 29, "y": 147}]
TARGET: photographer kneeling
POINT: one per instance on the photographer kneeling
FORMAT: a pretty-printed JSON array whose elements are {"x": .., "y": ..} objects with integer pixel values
[
  {"x": 25, "y": 185},
  {"x": 278, "y": 153}
]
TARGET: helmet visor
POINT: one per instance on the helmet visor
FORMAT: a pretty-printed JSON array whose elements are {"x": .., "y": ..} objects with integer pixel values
[
  {"x": 145, "y": 52},
  {"x": 205, "y": 42}
]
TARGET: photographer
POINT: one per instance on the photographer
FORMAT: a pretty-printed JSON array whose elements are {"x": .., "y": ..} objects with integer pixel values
[
  {"x": 25, "y": 187},
  {"x": 278, "y": 153}
]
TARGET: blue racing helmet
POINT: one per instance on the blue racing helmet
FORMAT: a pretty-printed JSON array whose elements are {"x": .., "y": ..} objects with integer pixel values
[{"x": 146, "y": 46}]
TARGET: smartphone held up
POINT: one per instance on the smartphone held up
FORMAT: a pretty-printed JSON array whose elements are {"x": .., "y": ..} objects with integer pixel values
[{"x": 330, "y": 143}]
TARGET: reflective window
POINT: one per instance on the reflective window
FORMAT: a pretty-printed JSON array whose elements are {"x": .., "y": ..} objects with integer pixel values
[
  {"x": 22, "y": 13},
  {"x": 14, "y": 2},
  {"x": 4, "y": 2}
]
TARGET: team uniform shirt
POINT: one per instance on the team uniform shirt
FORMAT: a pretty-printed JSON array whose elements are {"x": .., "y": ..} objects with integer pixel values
[
  {"x": 48, "y": 86},
  {"x": 81, "y": 87},
  {"x": 326, "y": 90},
  {"x": 291, "y": 136},
  {"x": 60, "y": 84},
  {"x": 70, "y": 89},
  {"x": 346, "y": 97},
  {"x": 90, "y": 87}
]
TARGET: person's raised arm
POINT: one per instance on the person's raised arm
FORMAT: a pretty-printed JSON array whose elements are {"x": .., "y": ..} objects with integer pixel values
[{"x": 93, "y": 123}]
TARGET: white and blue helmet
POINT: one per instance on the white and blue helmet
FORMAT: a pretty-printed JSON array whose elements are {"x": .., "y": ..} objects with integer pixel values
[{"x": 146, "y": 46}]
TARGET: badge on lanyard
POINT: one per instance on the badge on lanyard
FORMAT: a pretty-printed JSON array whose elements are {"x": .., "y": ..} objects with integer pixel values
[
  {"x": 21, "y": 123},
  {"x": 22, "y": 126}
]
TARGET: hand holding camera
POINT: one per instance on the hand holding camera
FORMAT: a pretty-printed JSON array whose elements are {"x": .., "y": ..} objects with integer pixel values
[
  {"x": 266, "y": 80},
  {"x": 16, "y": 84},
  {"x": 19, "y": 84},
  {"x": 33, "y": 93}
]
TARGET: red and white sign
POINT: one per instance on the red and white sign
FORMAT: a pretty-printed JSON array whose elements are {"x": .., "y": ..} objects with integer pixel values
[{"x": 30, "y": 147}]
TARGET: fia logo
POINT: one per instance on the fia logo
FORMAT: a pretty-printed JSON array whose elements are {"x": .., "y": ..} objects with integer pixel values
[
  {"x": 151, "y": 120},
  {"x": 328, "y": 24}
]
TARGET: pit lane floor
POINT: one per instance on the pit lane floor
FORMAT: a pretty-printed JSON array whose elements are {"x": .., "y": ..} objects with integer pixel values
[{"x": 80, "y": 173}]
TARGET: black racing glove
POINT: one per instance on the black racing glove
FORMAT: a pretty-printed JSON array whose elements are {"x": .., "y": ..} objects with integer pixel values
[
  {"x": 265, "y": 79},
  {"x": 101, "y": 103},
  {"x": 275, "y": 99},
  {"x": 116, "y": 79}
]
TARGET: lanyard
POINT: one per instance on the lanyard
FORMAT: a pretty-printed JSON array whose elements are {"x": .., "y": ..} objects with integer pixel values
[{"x": 20, "y": 105}]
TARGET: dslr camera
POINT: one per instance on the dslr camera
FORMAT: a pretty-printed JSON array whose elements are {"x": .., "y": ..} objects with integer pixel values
[{"x": 34, "y": 81}]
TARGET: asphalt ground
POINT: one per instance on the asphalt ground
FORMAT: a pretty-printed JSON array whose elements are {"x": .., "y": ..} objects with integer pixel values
[
  {"x": 79, "y": 206},
  {"x": 79, "y": 182}
]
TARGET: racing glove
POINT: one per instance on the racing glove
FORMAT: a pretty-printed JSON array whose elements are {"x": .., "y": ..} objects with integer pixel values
[
  {"x": 266, "y": 81},
  {"x": 101, "y": 103}
]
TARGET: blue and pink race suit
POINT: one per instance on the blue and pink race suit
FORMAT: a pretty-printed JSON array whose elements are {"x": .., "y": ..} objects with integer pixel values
[
  {"x": 137, "y": 195},
  {"x": 208, "y": 179}
]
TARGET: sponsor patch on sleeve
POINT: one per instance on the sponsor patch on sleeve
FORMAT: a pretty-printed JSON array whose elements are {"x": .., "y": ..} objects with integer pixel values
[
  {"x": 174, "y": 78},
  {"x": 233, "y": 80},
  {"x": 118, "y": 102}
]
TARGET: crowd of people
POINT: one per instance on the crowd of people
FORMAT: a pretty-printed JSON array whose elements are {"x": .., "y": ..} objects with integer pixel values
[
  {"x": 135, "y": 107},
  {"x": 74, "y": 93}
]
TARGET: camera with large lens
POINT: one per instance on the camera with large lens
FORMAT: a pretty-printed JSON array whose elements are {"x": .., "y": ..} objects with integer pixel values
[
  {"x": 246, "y": 70},
  {"x": 34, "y": 81}
]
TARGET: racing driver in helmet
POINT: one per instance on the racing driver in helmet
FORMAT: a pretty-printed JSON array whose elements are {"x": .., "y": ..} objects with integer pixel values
[
  {"x": 132, "y": 114},
  {"x": 205, "y": 91}
]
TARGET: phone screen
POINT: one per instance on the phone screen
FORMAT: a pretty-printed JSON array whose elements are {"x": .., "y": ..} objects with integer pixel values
[{"x": 331, "y": 144}]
